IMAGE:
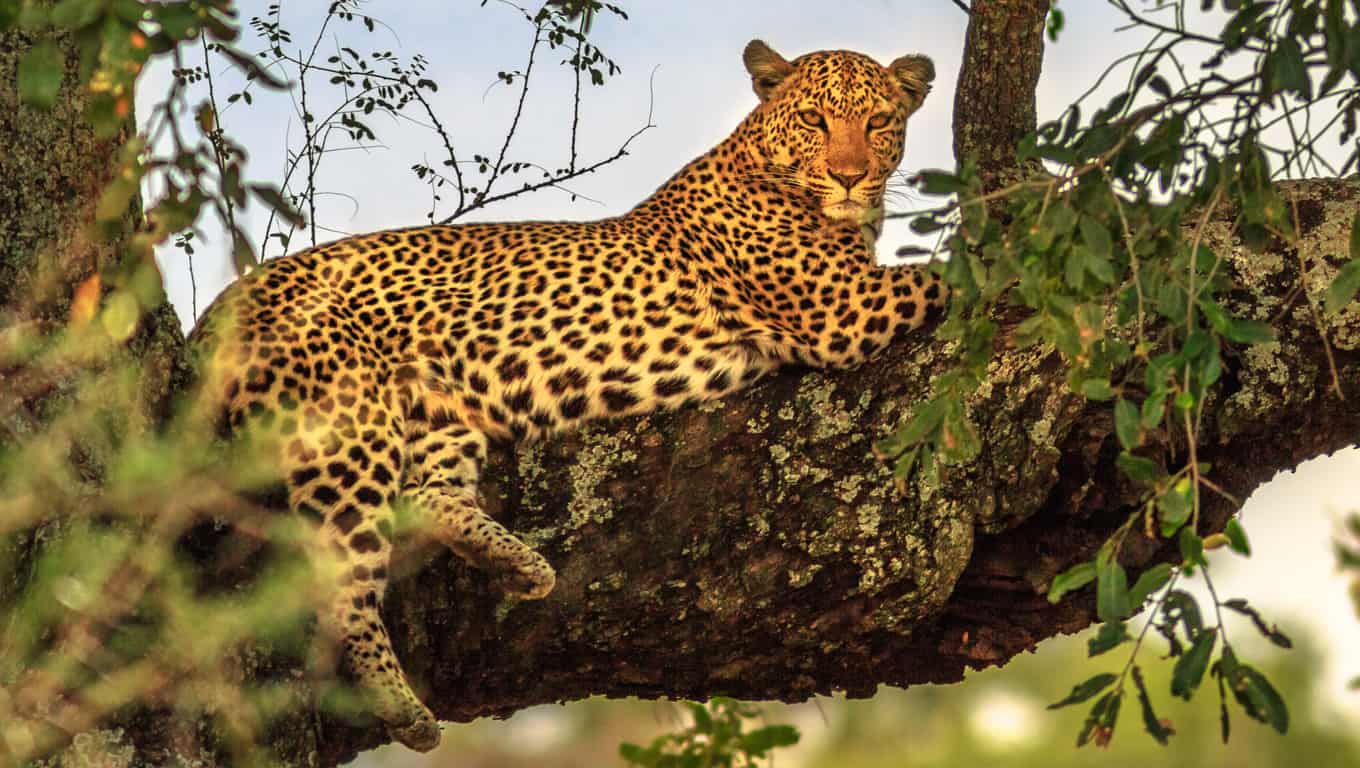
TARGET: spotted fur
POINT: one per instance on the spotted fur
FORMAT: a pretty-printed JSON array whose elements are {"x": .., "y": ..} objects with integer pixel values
[{"x": 382, "y": 365}]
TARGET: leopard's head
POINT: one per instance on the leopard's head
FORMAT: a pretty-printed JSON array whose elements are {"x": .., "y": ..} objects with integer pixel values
[{"x": 833, "y": 123}]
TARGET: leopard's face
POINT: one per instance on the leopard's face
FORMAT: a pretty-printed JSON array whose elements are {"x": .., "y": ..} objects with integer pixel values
[{"x": 833, "y": 123}]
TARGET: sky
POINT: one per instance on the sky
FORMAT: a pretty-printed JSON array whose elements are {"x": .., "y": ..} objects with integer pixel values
[{"x": 681, "y": 64}]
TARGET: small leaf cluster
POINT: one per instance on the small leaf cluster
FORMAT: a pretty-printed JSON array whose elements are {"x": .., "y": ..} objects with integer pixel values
[
  {"x": 717, "y": 737},
  {"x": 1179, "y": 620}
]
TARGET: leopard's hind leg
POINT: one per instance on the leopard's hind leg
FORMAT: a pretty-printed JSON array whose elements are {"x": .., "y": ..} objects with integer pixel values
[
  {"x": 444, "y": 461},
  {"x": 346, "y": 473}
]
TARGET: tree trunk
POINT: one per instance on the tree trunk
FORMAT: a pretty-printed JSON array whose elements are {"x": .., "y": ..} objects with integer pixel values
[
  {"x": 755, "y": 547},
  {"x": 53, "y": 167},
  {"x": 994, "y": 103}
]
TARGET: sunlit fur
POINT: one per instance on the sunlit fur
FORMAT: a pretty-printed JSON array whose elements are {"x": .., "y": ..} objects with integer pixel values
[{"x": 847, "y": 91}]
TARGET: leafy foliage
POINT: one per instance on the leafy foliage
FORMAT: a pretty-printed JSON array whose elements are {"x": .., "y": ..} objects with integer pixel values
[
  {"x": 1103, "y": 250},
  {"x": 716, "y": 738}
]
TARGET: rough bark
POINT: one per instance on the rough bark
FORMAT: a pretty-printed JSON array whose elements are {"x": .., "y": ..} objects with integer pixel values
[
  {"x": 994, "y": 103},
  {"x": 755, "y": 548},
  {"x": 54, "y": 166}
]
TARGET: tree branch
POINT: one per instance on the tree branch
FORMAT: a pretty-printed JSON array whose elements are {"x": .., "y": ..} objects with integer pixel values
[{"x": 757, "y": 549}]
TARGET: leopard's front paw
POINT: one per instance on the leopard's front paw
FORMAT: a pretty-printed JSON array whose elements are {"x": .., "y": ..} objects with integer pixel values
[
  {"x": 421, "y": 734},
  {"x": 531, "y": 579}
]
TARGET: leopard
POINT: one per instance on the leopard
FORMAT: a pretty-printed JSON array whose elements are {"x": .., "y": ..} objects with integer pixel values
[{"x": 381, "y": 366}]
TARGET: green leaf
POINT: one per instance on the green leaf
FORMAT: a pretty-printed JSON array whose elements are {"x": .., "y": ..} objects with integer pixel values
[
  {"x": 74, "y": 14},
  {"x": 1109, "y": 636},
  {"x": 1265, "y": 702},
  {"x": 1343, "y": 289},
  {"x": 250, "y": 65},
  {"x": 1097, "y": 389},
  {"x": 1149, "y": 582},
  {"x": 1224, "y": 724},
  {"x": 1126, "y": 424},
  {"x": 1237, "y": 538},
  {"x": 1099, "y": 265},
  {"x": 1056, "y": 20},
  {"x": 1075, "y": 577},
  {"x": 941, "y": 183},
  {"x": 1103, "y": 715},
  {"x": 1210, "y": 366},
  {"x": 925, "y": 224},
  {"x": 1181, "y": 606},
  {"x": 1096, "y": 236},
  {"x": 924, "y": 422},
  {"x": 959, "y": 440},
  {"x": 1160, "y": 86},
  {"x": 271, "y": 197},
  {"x": 1153, "y": 410},
  {"x": 1112, "y": 589},
  {"x": 1189, "y": 669},
  {"x": 1072, "y": 124},
  {"x": 1184, "y": 401},
  {"x": 762, "y": 740},
  {"x": 1192, "y": 547},
  {"x": 1074, "y": 267},
  {"x": 1249, "y": 331},
  {"x": 114, "y": 200},
  {"x": 40, "y": 72},
  {"x": 1085, "y": 690},
  {"x": 1271, "y": 632},
  {"x": 1195, "y": 344},
  {"x": 703, "y": 721},
  {"x": 1173, "y": 508},
  {"x": 906, "y": 463},
  {"x": 1139, "y": 469},
  {"x": 636, "y": 755},
  {"x": 1287, "y": 69},
  {"x": 1151, "y": 722}
]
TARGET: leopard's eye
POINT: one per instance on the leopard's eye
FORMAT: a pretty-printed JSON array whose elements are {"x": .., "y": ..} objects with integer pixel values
[
  {"x": 880, "y": 120},
  {"x": 812, "y": 118}
]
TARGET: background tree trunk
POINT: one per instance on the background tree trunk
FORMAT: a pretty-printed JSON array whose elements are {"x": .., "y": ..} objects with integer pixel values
[
  {"x": 994, "y": 104},
  {"x": 754, "y": 547},
  {"x": 54, "y": 166}
]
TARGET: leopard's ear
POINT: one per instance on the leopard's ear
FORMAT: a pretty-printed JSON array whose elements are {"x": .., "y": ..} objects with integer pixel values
[
  {"x": 768, "y": 69},
  {"x": 914, "y": 73}
]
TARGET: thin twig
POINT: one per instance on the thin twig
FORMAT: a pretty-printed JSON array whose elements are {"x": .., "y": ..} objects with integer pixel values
[
  {"x": 215, "y": 141},
  {"x": 519, "y": 112}
]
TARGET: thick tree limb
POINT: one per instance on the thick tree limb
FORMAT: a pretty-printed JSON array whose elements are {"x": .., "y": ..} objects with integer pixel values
[{"x": 757, "y": 549}]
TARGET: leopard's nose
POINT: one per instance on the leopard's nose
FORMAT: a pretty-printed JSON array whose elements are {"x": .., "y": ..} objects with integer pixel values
[{"x": 848, "y": 180}]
